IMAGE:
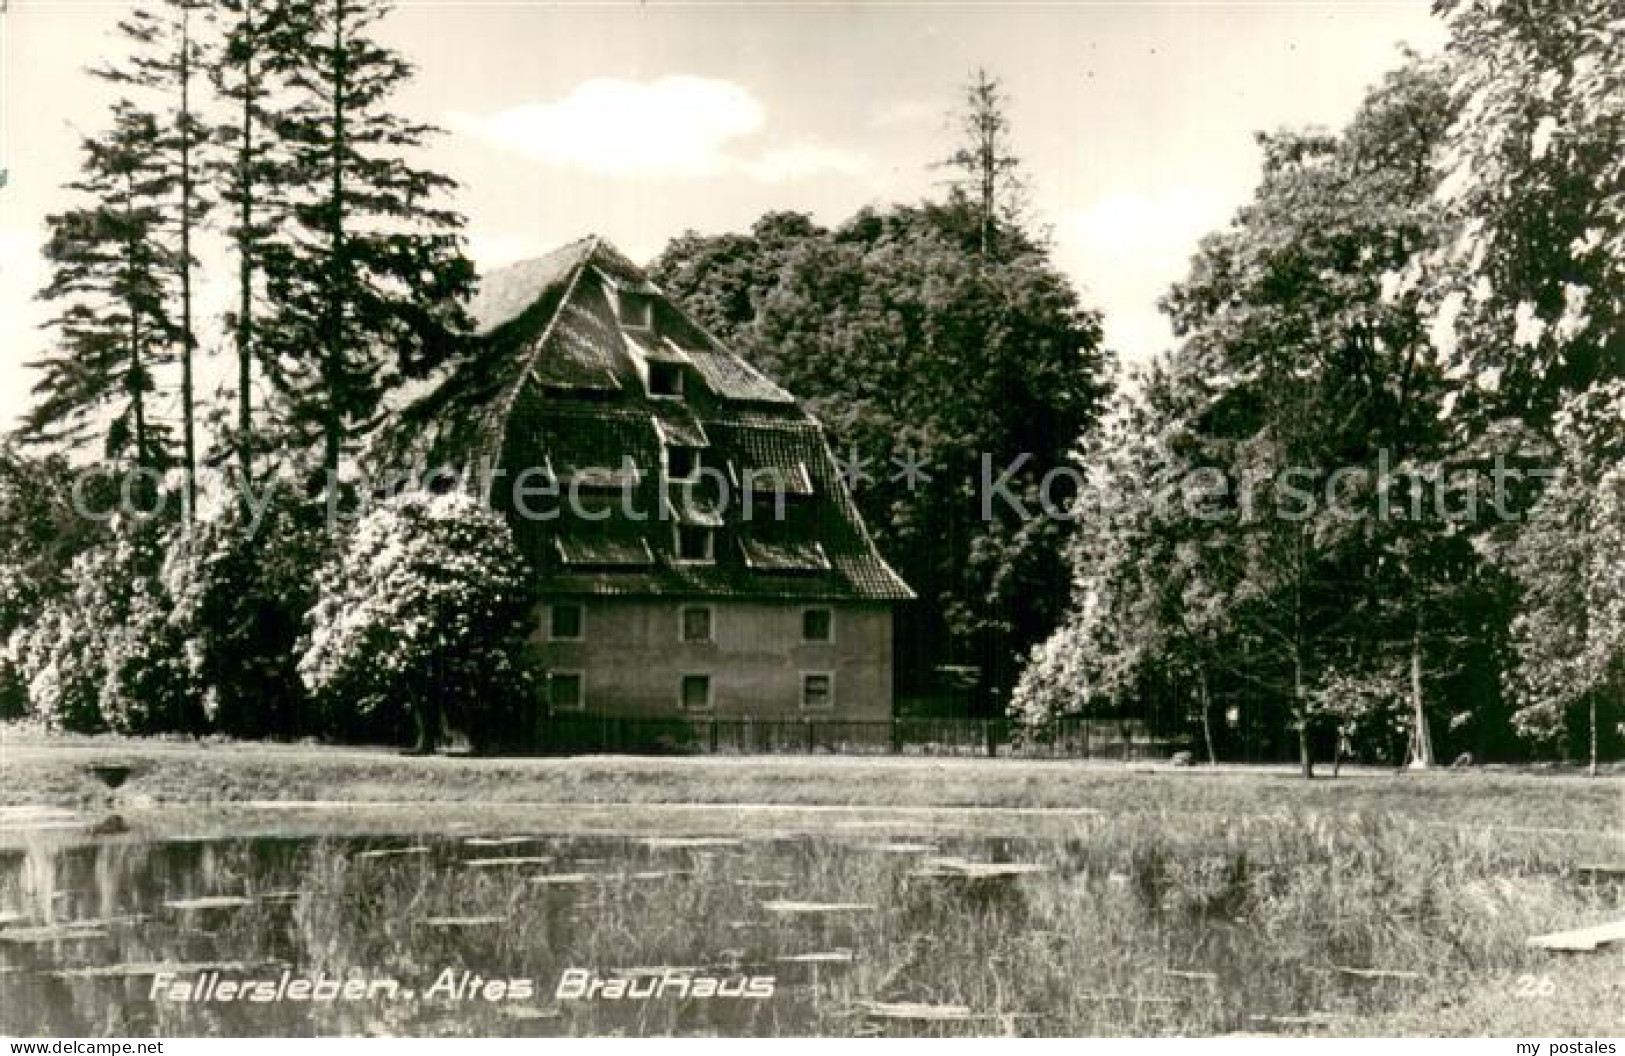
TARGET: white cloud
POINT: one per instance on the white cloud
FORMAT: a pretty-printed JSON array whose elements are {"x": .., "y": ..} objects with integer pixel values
[
  {"x": 1130, "y": 246},
  {"x": 672, "y": 127}
]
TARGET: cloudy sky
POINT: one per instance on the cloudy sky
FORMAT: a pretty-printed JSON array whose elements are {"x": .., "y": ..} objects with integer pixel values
[{"x": 1134, "y": 120}]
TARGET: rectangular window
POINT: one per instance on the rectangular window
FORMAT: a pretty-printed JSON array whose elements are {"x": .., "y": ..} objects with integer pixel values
[
  {"x": 565, "y": 623},
  {"x": 636, "y": 310},
  {"x": 564, "y": 691},
  {"x": 695, "y": 544},
  {"x": 697, "y": 623},
  {"x": 817, "y": 691},
  {"x": 695, "y": 694},
  {"x": 682, "y": 463},
  {"x": 817, "y": 625},
  {"x": 665, "y": 379}
]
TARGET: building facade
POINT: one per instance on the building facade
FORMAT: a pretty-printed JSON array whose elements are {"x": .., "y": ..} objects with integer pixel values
[{"x": 698, "y": 552}]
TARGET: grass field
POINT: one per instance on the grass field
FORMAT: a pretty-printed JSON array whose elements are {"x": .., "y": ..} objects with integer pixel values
[
  {"x": 1154, "y": 901},
  {"x": 55, "y": 771}
]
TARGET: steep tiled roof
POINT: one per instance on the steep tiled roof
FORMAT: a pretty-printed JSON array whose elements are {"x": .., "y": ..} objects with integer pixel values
[
  {"x": 733, "y": 378},
  {"x": 587, "y": 442},
  {"x": 676, "y": 423},
  {"x": 504, "y": 294},
  {"x": 792, "y": 556},
  {"x": 557, "y": 397},
  {"x": 600, "y": 549},
  {"x": 584, "y": 350}
]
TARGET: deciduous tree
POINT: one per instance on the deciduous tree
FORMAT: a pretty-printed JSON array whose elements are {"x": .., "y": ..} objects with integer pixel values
[
  {"x": 1531, "y": 286},
  {"x": 1570, "y": 631}
]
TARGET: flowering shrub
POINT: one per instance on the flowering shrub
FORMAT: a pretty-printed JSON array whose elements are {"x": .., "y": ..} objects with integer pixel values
[
  {"x": 149, "y": 686},
  {"x": 240, "y": 588},
  {"x": 62, "y": 654},
  {"x": 103, "y": 654},
  {"x": 1056, "y": 680},
  {"x": 422, "y": 615}
]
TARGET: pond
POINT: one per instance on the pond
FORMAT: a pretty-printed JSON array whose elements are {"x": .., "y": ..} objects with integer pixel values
[{"x": 539, "y": 933}]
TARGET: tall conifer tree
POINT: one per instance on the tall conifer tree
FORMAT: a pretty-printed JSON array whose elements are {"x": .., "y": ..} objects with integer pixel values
[
  {"x": 165, "y": 69},
  {"x": 368, "y": 291},
  {"x": 251, "y": 168},
  {"x": 110, "y": 275}
]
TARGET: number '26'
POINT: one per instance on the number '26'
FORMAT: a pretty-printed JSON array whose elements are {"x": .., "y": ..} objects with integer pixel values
[{"x": 1536, "y": 986}]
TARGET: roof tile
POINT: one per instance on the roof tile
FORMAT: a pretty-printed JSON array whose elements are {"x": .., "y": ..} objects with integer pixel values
[{"x": 557, "y": 387}]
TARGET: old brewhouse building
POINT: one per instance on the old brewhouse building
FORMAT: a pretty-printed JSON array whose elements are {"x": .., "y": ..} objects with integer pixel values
[{"x": 698, "y": 551}]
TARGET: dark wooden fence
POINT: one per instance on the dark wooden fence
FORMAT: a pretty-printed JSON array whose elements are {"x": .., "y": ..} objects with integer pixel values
[{"x": 1092, "y": 738}]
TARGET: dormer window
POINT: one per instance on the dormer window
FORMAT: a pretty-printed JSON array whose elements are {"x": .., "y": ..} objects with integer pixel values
[
  {"x": 636, "y": 310},
  {"x": 682, "y": 463},
  {"x": 666, "y": 380}
]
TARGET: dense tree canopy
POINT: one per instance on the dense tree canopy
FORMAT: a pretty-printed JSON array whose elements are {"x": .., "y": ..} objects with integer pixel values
[
  {"x": 1569, "y": 637},
  {"x": 350, "y": 279},
  {"x": 907, "y": 344},
  {"x": 41, "y": 530},
  {"x": 1531, "y": 285},
  {"x": 1302, "y": 401},
  {"x": 240, "y": 582},
  {"x": 1530, "y": 294},
  {"x": 1356, "y": 368}
]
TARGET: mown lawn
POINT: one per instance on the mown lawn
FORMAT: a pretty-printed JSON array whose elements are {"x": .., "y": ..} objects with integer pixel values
[{"x": 56, "y": 771}]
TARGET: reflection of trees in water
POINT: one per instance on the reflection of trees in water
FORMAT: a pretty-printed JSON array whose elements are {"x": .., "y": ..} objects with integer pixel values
[
  {"x": 38, "y": 882},
  {"x": 57, "y": 885},
  {"x": 319, "y": 908},
  {"x": 1118, "y": 907},
  {"x": 118, "y": 865}
]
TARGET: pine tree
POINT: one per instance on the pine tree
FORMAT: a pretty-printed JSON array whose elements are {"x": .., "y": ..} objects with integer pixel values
[
  {"x": 368, "y": 290},
  {"x": 990, "y": 184},
  {"x": 111, "y": 274},
  {"x": 165, "y": 64},
  {"x": 259, "y": 38}
]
